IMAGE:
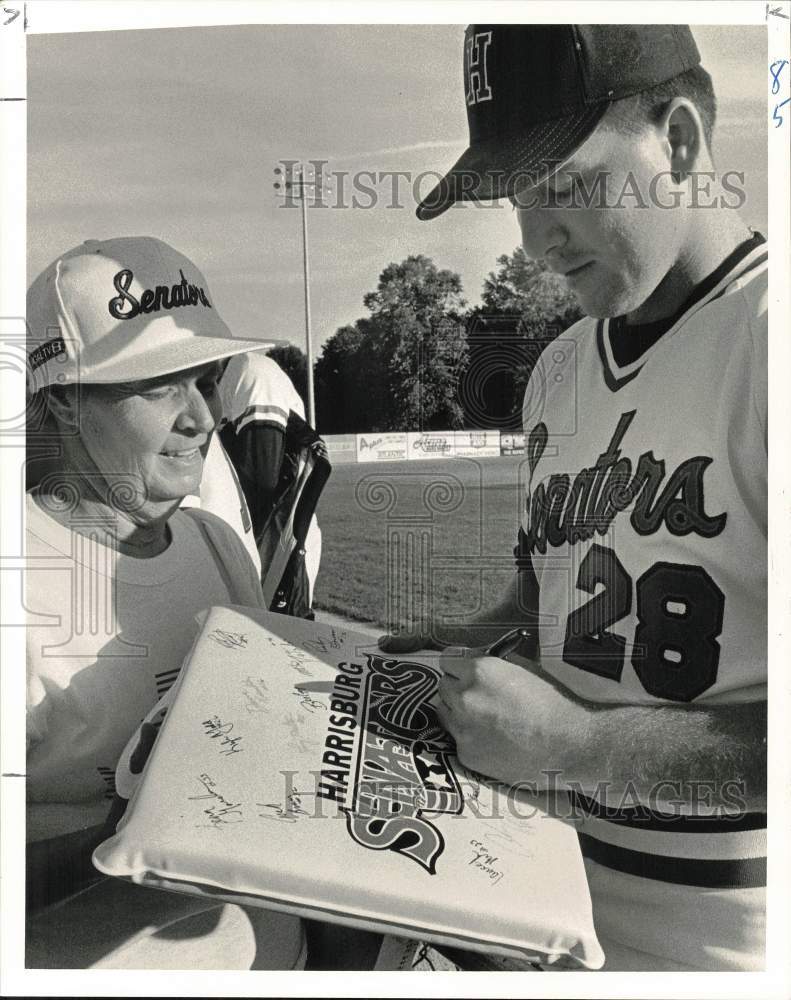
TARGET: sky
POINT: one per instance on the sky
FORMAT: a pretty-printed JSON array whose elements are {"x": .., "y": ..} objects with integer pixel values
[{"x": 176, "y": 133}]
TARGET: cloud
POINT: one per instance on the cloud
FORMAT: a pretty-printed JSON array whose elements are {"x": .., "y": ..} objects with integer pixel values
[{"x": 395, "y": 150}]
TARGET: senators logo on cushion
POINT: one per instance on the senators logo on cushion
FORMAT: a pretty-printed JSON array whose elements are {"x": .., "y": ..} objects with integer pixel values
[{"x": 387, "y": 759}]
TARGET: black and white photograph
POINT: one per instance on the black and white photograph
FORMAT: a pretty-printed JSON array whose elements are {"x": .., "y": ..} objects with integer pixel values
[{"x": 395, "y": 499}]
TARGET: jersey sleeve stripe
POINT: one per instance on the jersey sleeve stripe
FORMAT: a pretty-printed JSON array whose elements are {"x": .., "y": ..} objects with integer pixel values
[
  {"x": 713, "y": 847},
  {"x": 739, "y": 873},
  {"x": 269, "y": 413}
]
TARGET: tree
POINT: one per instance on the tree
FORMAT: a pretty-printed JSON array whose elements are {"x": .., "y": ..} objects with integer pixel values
[
  {"x": 347, "y": 382},
  {"x": 417, "y": 316},
  {"x": 399, "y": 367},
  {"x": 524, "y": 306},
  {"x": 527, "y": 289},
  {"x": 295, "y": 364}
]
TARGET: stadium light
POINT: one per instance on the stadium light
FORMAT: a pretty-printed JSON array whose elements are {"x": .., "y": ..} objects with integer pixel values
[{"x": 294, "y": 184}]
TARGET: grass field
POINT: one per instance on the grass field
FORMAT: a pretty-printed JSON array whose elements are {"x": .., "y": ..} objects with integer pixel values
[{"x": 405, "y": 541}]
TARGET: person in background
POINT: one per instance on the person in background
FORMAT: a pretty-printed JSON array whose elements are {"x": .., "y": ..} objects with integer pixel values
[
  {"x": 264, "y": 432},
  {"x": 125, "y": 352}
]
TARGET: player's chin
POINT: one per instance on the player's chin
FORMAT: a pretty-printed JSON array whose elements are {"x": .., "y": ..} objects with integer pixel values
[{"x": 604, "y": 301}]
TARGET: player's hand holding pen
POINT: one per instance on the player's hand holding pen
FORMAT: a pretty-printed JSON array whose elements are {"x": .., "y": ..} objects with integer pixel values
[{"x": 510, "y": 720}]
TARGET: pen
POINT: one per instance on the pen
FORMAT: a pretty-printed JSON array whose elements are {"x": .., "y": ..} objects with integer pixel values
[{"x": 520, "y": 643}]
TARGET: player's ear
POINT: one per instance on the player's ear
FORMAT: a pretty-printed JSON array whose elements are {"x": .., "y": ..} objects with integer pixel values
[{"x": 682, "y": 129}]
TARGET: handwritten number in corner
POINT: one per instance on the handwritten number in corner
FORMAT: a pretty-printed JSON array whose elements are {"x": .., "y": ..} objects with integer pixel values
[
  {"x": 14, "y": 15},
  {"x": 779, "y": 63},
  {"x": 778, "y": 118},
  {"x": 775, "y": 69}
]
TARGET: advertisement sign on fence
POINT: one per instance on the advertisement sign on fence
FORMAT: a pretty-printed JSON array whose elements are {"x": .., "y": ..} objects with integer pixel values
[
  {"x": 430, "y": 444},
  {"x": 342, "y": 448},
  {"x": 512, "y": 444},
  {"x": 398, "y": 446},
  {"x": 387, "y": 446},
  {"x": 477, "y": 444}
]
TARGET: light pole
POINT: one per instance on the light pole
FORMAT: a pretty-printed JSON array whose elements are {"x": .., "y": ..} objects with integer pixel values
[{"x": 296, "y": 185}]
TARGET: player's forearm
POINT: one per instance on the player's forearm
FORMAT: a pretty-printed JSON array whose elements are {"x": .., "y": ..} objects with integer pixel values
[{"x": 670, "y": 756}]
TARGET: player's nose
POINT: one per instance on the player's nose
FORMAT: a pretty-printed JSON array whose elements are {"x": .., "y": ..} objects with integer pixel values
[{"x": 542, "y": 232}]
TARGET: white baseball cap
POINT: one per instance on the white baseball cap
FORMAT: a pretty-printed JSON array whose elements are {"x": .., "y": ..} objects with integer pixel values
[{"x": 121, "y": 310}]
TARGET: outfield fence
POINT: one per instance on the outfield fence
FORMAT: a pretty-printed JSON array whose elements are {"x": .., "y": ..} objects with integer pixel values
[{"x": 408, "y": 446}]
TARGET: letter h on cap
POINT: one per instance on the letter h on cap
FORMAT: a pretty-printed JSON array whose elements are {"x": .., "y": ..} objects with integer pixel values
[{"x": 475, "y": 50}]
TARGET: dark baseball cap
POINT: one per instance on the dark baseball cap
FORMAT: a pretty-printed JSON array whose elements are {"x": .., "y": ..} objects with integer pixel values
[{"x": 536, "y": 92}]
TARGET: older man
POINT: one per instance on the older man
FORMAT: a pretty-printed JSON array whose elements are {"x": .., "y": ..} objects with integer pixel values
[{"x": 125, "y": 352}]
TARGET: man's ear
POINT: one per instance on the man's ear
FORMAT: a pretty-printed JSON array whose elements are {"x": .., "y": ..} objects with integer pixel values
[
  {"x": 63, "y": 403},
  {"x": 683, "y": 130}
]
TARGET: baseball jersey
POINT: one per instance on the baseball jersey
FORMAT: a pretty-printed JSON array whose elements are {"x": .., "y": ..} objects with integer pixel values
[
  {"x": 646, "y": 525},
  {"x": 106, "y": 638},
  {"x": 254, "y": 388},
  {"x": 257, "y": 396}
]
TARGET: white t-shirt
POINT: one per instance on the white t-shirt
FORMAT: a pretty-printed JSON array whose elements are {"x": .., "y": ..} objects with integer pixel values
[{"x": 106, "y": 637}]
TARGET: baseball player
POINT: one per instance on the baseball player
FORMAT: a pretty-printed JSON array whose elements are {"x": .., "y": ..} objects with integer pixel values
[
  {"x": 263, "y": 429},
  {"x": 638, "y": 678}
]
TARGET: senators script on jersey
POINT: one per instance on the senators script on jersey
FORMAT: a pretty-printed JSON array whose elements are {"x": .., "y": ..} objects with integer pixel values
[{"x": 647, "y": 534}]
